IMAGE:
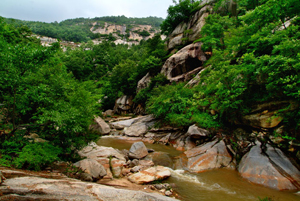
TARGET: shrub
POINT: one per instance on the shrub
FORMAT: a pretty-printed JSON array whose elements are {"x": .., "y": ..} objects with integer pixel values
[{"x": 37, "y": 156}]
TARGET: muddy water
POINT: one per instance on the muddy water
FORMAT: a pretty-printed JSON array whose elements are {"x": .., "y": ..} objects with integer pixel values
[{"x": 216, "y": 185}]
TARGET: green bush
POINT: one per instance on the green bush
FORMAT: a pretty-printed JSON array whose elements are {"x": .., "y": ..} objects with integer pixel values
[{"x": 37, "y": 156}]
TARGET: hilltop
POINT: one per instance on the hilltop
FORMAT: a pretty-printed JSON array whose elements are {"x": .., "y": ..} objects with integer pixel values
[{"x": 121, "y": 29}]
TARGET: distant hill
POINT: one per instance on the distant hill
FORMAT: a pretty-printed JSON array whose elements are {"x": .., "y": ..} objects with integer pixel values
[{"x": 100, "y": 28}]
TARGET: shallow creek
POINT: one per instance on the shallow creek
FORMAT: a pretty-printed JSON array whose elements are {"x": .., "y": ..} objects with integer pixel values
[{"x": 212, "y": 185}]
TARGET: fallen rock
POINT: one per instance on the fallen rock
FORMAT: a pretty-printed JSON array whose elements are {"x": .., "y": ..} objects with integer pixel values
[
  {"x": 138, "y": 150},
  {"x": 211, "y": 155},
  {"x": 92, "y": 167},
  {"x": 100, "y": 126},
  {"x": 150, "y": 175},
  {"x": 269, "y": 168},
  {"x": 36, "y": 188}
]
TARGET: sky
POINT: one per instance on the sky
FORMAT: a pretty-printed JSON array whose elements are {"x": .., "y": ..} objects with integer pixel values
[{"x": 59, "y": 10}]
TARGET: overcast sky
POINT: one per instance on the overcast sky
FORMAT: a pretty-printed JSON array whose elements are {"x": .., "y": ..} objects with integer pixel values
[{"x": 58, "y": 10}]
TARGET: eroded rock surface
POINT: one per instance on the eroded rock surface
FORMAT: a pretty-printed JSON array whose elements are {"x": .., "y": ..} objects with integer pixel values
[
  {"x": 269, "y": 168},
  {"x": 185, "y": 63},
  {"x": 36, "y": 188}
]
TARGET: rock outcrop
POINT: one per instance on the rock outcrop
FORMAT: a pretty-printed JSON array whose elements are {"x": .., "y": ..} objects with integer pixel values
[
  {"x": 209, "y": 156},
  {"x": 185, "y": 63},
  {"x": 143, "y": 83},
  {"x": 269, "y": 167},
  {"x": 189, "y": 31}
]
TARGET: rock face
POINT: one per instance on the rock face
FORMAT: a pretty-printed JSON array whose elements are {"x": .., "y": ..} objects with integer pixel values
[
  {"x": 150, "y": 175},
  {"x": 100, "y": 126},
  {"x": 92, "y": 167},
  {"x": 211, "y": 155},
  {"x": 36, "y": 188},
  {"x": 270, "y": 168},
  {"x": 185, "y": 63},
  {"x": 194, "y": 26},
  {"x": 138, "y": 150},
  {"x": 123, "y": 105}
]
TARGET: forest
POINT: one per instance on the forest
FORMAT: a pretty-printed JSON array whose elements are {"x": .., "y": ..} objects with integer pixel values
[{"x": 55, "y": 94}]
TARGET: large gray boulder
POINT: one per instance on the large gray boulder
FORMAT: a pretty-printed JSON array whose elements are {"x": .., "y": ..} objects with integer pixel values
[
  {"x": 269, "y": 168},
  {"x": 138, "y": 150},
  {"x": 92, "y": 167},
  {"x": 211, "y": 155},
  {"x": 140, "y": 127}
]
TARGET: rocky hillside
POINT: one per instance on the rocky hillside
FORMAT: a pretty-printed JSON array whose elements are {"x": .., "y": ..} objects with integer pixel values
[{"x": 119, "y": 29}]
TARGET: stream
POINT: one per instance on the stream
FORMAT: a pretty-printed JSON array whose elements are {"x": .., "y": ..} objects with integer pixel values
[{"x": 215, "y": 185}]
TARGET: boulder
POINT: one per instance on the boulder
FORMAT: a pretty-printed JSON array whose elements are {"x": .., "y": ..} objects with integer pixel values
[
  {"x": 140, "y": 127},
  {"x": 92, "y": 167},
  {"x": 37, "y": 188},
  {"x": 110, "y": 158},
  {"x": 186, "y": 62},
  {"x": 100, "y": 126},
  {"x": 123, "y": 105},
  {"x": 269, "y": 167},
  {"x": 211, "y": 155},
  {"x": 150, "y": 175},
  {"x": 196, "y": 132},
  {"x": 138, "y": 150}
]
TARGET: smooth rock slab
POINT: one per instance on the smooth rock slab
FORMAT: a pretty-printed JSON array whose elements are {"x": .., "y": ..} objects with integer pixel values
[
  {"x": 150, "y": 175},
  {"x": 211, "y": 155},
  {"x": 272, "y": 169},
  {"x": 36, "y": 188}
]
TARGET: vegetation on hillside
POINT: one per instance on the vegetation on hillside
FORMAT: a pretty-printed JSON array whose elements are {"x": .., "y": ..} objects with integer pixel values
[
  {"x": 78, "y": 30},
  {"x": 255, "y": 59},
  {"x": 55, "y": 94}
]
